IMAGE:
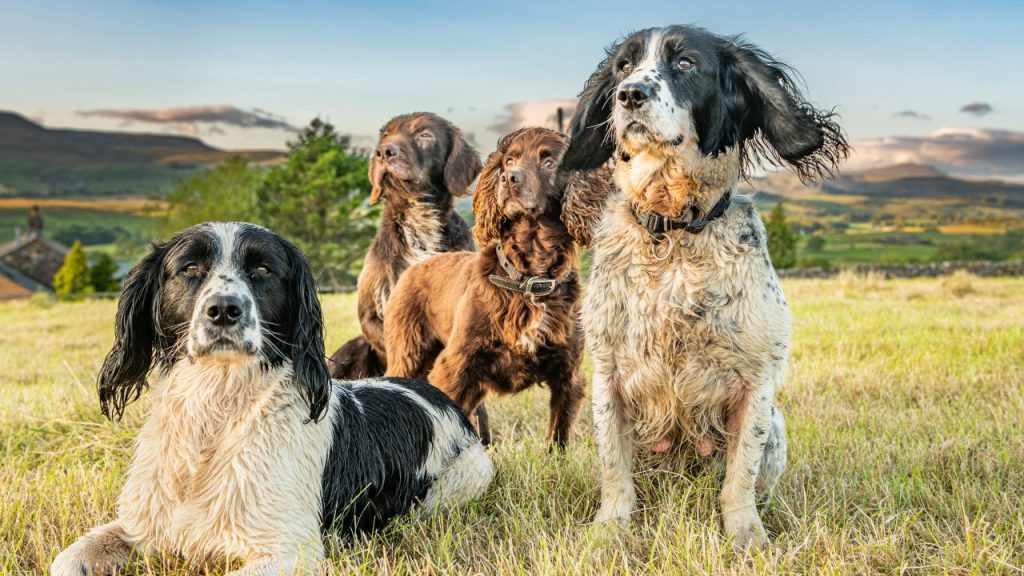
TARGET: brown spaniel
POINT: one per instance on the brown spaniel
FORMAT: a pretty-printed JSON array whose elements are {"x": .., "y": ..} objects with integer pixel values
[
  {"x": 507, "y": 317},
  {"x": 421, "y": 162}
]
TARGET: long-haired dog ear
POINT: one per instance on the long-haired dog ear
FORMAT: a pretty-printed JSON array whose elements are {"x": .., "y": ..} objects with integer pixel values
[
  {"x": 123, "y": 375},
  {"x": 486, "y": 211},
  {"x": 462, "y": 165},
  {"x": 591, "y": 142},
  {"x": 585, "y": 196},
  {"x": 306, "y": 334},
  {"x": 778, "y": 125},
  {"x": 376, "y": 175}
]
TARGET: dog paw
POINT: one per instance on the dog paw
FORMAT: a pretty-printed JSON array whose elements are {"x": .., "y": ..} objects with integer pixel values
[
  {"x": 614, "y": 515},
  {"x": 745, "y": 530},
  {"x": 69, "y": 565}
]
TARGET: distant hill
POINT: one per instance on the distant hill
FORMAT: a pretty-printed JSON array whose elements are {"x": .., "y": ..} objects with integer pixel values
[
  {"x": 38, "y": 161},
  {"x": 909, "y": 192}
]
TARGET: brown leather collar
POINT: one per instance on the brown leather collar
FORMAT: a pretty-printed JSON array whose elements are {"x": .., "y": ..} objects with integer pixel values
[{"x": 518, "y": 282}]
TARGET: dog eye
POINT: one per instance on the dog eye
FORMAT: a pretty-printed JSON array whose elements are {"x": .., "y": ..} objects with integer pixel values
[
  {"x": 549, "y": 163},
  {"x": 192, "y": 270},
  {"x": 625, "y": 66},
  {"x": 509, "y": 160},
  {"x": 685, "y": 63},
  {"x": 260, "y": 271},
  {"x": 426, "y": 135}
]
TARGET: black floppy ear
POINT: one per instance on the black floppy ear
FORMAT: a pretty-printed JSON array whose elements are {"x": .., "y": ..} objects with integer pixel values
[
  {"x": 591, "y": 142},
  {"x": 123, "y": 375},
  {"x": 462, "y": 166},
  {"x": 306, "y": 334},
  {"x": 776, "y": 123}
]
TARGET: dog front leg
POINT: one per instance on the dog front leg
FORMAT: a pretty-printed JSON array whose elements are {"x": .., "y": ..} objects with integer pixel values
[
  {"x": 104, "y": 550},
  {"x": 748, "y": 425},
  {"x": 450, "y": 376},
  {"x": 615, "y": 444},
  {"x": 564, "y": 404}
]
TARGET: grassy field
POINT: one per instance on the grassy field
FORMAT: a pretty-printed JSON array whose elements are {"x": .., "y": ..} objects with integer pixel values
[{"x": 906, "y": 423}]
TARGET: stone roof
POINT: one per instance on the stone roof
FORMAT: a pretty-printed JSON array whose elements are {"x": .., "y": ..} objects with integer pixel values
[{"x": 33, "y": 257}]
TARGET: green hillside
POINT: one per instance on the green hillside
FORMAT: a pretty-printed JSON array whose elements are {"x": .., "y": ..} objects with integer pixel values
[{"x": 42, "y": 162}]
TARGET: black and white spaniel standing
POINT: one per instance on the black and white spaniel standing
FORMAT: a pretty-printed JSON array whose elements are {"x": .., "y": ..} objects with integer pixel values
[
  {"x": 250, "y": 449},
  {"x": 684, "y": 314}
]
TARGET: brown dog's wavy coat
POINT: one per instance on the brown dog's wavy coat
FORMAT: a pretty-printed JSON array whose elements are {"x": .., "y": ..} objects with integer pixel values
[
  {"x": 421, "y": 163},
  {"x": 446, "y": 317}
]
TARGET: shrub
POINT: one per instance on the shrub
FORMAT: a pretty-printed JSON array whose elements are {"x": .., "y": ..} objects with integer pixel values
[
  {"x": 781, "y": 239},
  {"x": 103, "y": 274},
  {"x": 815, "y": 262},
  {"x": 958, "y": 284},
  {"x": 73, "y": 277}
]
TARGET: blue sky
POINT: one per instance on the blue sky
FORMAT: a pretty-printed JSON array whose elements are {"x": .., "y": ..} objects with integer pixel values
[{"x": 358, "y": 64}]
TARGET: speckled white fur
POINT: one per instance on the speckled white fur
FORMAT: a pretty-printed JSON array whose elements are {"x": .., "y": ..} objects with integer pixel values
[{"x": 690, "y": 339}]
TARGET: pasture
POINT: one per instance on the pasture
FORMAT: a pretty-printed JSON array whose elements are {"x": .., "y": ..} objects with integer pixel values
[{"x": 905, "y": 405}]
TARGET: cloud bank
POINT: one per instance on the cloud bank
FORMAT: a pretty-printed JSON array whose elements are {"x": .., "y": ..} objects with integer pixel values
[
  {"x": 965, "y": 152},
  {"x": 977, "y": 108},
  {"x": 535, "y": 113},
  {"x": 193, "y": 120},
  {"x": 913, "y": 114}
]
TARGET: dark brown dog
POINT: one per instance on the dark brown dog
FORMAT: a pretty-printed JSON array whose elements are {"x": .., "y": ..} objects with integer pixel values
[
  {"x": 470, "y": 323},
  {"x": 421, "y": 162}
]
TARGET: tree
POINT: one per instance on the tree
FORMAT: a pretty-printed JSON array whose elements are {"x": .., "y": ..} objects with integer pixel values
[
  {"x": 781, "y": 238},
  {"x": 103, "y": 274},
  {"x": 226, "y": 193},
  {"x": 318, "y": 201},
  {"x": 815, "y": 244},
  {"x": 73, "y": 276}
]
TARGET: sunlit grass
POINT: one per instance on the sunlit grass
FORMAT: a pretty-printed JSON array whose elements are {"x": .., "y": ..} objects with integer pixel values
[{"x": 905, "y": 411}]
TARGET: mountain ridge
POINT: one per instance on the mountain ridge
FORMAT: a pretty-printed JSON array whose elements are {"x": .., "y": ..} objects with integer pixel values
[{"x": 52, "y": 162}]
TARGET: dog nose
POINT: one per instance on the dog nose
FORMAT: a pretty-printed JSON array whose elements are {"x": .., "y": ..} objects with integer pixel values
[
  {"x": 512, "y": 178},
  {"x": 224, "y": 310},
  {"x": 388, "y": 150},
  {"x": 633, "y": 96}
]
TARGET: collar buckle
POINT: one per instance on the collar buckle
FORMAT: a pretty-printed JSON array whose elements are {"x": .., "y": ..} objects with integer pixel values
[{"x": 539, "y": 286}]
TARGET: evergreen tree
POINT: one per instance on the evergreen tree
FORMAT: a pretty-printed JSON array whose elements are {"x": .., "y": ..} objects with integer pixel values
[
  {"x": 224, "y": 193},
  {"x": 103, "y": 274},
  {"x": 781, "y": 239},
  {"x": 318, "y": 201},
  {"x": 73, "y": 277}
]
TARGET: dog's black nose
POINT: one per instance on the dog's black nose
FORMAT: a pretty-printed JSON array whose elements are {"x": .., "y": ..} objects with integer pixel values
[
  {"x": 224, "y": 310},
  {"x": 389, "y": 150},
  {"x": 512, "y": 178},
  {"x": 633, "y": 95}
]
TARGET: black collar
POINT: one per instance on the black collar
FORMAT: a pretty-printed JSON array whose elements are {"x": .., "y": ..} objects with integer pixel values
[
  {"x": 517, "y": 282},
  {"x": 658, "y": 224}
]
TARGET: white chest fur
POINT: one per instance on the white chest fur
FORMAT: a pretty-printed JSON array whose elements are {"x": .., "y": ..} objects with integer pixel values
[
  {"x": 686, "y": 322},
  {"x": 225, "y": 460}
]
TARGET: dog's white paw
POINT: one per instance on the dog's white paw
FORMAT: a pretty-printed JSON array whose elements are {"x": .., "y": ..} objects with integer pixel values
[
  {"x": 745, "y": 529},
  {"x": 66, "y": 564},
  {"x": 616, "y": 513}
]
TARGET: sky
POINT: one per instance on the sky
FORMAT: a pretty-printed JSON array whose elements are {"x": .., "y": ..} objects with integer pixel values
[{"x": 902, "y": 75}]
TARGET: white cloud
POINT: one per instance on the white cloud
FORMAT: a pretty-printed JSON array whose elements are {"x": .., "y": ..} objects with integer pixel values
[{"x": 966, "y": 152}]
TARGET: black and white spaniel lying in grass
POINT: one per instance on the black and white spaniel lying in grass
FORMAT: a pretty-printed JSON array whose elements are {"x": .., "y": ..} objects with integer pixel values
[{"x": 250, "y": 450}]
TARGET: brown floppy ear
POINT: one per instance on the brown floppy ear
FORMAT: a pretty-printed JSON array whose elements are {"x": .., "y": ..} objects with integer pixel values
[
  {"x": 462, "y": 166},
  {"x": 376, "y": 174},
  {"x": 583, "y": 202},
  {"x": 485, "y": 201}
]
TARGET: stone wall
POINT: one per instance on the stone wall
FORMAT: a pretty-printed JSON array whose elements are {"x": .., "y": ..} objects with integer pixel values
[{"x": 932, "y": 270}]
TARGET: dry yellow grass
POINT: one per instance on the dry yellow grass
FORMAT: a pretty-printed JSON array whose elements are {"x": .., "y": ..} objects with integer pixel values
[
  {"x": 129, "y": 204},
  {"x": 906, "y": 424}
]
